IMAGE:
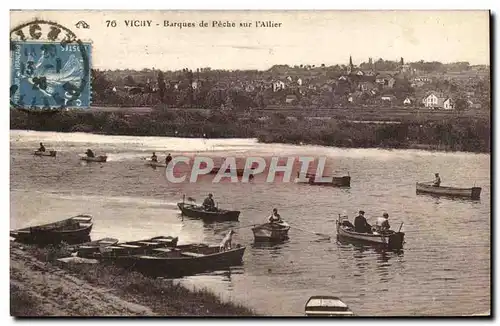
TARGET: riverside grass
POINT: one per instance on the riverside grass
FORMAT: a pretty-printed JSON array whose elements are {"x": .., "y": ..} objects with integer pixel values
[{"x": 162, "y": 296}]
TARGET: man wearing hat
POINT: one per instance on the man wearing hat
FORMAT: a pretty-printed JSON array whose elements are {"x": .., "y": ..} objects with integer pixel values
[
  {"x": 209, "y": 203},
  {"x": 360, "y": 223}
]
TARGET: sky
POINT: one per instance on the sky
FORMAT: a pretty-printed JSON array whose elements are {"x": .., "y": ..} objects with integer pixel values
[{"x": 303, "y": 37}]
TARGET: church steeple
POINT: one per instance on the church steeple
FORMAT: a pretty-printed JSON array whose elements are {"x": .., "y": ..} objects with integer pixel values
[{"x": 350, "y": 68}]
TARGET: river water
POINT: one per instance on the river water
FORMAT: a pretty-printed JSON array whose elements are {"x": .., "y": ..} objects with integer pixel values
[{"x": 443, "y": 270}]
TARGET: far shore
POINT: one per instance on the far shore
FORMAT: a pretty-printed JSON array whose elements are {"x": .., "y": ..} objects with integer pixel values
[{"x": 463, "y": 134}]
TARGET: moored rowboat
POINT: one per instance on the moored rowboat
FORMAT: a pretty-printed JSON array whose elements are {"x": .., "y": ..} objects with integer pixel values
[
  {"x": 48, "y": 153},
  {"x": 101, "y": 158},
  {"x": 72, "y": 230},
  {"x": 390, "y": 239},
  {"x": 271, "y": 231},
  {"x": 93, "y": 246},
  {"x": 326, "y": 306},
  {"x": 114, "y": 250},
  {"x": 184, "y": 260},
  {"x": 473, "y": 193},
  {"x": 156, "y": 164},
  {"x": 216, "y": 215}
]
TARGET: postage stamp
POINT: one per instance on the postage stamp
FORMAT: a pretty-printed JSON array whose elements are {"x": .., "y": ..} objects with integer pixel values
[{"x": 48, "y": 71}]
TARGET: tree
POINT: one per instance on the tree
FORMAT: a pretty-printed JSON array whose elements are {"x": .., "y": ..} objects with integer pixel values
[
  {"x": 161, "y": 85},
  {"x": 129, "y": 81}
]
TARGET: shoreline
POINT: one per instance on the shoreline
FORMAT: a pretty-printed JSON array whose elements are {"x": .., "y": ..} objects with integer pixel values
[{"x": 42, "y": 286}]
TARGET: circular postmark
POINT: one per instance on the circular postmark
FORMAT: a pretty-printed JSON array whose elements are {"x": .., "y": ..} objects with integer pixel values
[{"x": 50, "y": 67}]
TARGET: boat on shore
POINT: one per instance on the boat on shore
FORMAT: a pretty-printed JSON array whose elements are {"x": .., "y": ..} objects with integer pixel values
[
  {"x": 47, "y": 153},
  {"x": 120, "y": 249},
  {"x": 100, "y": 158},
  {"x": 271, "y": 232},
  {"x": 344, "y": 181},
  {"x": 90, "y": 247},
  {"x": 326, "y": 306},
  {"x": 197, "y": 211},
  {"x": 389, "y": 239},
  {"x": 183, "y": 260},
  {"x": 428, "y": 188},
  {"x": 71, "y": 230}
]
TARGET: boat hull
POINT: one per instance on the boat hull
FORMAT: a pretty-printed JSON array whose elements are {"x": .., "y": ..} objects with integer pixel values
[
  {"x": 197, "y": 212},
  {"x": 472, "y": 193},
  {"x": 72, "y": 231},
  {"x": 270, "y": 232},
  {"x": 49, "y": 153},
  {"x": 114, "y": 251},
  {"x": 101, "y": 158},
  {"x": 156, "y": 164},
  {"x": 393, "y": 240},
  {"x": 177, "y": 263},
  {"x": 344, "y": 181}
]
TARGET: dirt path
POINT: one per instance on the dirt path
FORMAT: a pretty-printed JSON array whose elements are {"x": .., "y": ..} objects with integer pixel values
[{"x": 53, "y": 292}]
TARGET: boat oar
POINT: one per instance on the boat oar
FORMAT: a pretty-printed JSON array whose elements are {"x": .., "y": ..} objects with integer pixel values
[
  {"x": 400, "y": 227},
  {"x": 239, "y": 227},
  {"x": 315, "y": 233}
]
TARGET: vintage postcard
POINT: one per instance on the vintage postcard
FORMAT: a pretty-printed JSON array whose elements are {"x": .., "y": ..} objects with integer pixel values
[{"x": 250, "y": 163}]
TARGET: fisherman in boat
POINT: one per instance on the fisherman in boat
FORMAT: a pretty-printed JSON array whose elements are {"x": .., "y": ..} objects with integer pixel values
[
  {"x": 382, "y": 224},
  {"x": 437, "y": 180},
  {"x": 208, "y": 203},
  {"x": 154, "y": 158},
  {"x": 361, "y": 225},
  {"x": 89, "y": 153},
  {"x": 168, "y": 159},
  {"x": 275, "y": 217},
  {"x": 42, "y": 148}
]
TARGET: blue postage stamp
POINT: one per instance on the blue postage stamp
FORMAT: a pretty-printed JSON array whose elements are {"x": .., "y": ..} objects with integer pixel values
[{"x": 50, "y": 74}]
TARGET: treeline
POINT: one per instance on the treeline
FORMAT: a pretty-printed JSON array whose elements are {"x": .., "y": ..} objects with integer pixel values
[{"x": 459, "y": 134}]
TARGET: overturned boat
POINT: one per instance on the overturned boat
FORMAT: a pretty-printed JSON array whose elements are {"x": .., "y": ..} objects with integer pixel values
[
  {"x": 276, "y": 231},
  {"x": 428, "y": 188},
  {"x": 389, "y": 239},
  {"x": 71, "y": 230},
  {"x": 326, "y": 306}
]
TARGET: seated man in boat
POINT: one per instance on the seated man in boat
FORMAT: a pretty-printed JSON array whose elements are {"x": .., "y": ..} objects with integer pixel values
[
  {"x": 208, "y": 203},
  {"x": 168, "y": 159},
  {"x": 382, "y": 224},
  {"x": 89, "y": 153},
  {"x": 154, "y": 158},
  {"x": 437, "y": 180},
  {"x": 42, "y": 148},
  {"x": 361, "y": 225},
  {"x": 275, "y": 217}
]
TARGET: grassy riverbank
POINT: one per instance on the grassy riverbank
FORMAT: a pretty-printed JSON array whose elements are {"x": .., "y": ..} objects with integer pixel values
[
  {"x": 40, "y": 286},
  {"x": 456, "y": 133}
]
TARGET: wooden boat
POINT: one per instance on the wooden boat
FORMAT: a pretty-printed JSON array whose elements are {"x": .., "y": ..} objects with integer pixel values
[
  {"x": 101, "y": 158},
  {"x": 49, "y": 153},
  {"x": 183, "y": 260},
  {"x": 72, "y": 230},
  {"x": 326, "y": 306},
  {"x": 344, "y": 181},
  {"x": 390, "y": 239},
  {"x": 271, "y": 231},
  {"x": 156, "y": 164},
  {"x": 197, "y": 211},
  {"x": 92, "y": 246},
  {"x": 129, "y": 248},
  {"x": 428, "y": 188},
  {"x": 239, "y": 172}
]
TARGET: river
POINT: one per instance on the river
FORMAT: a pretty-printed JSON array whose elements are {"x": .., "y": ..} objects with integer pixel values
[{"x": 444, "y": 269}]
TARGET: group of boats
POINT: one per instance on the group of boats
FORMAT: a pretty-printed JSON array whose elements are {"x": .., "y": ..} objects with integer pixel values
[
  {"x": 100, "y": 158},
  {"x": 157, "y": 256}
]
